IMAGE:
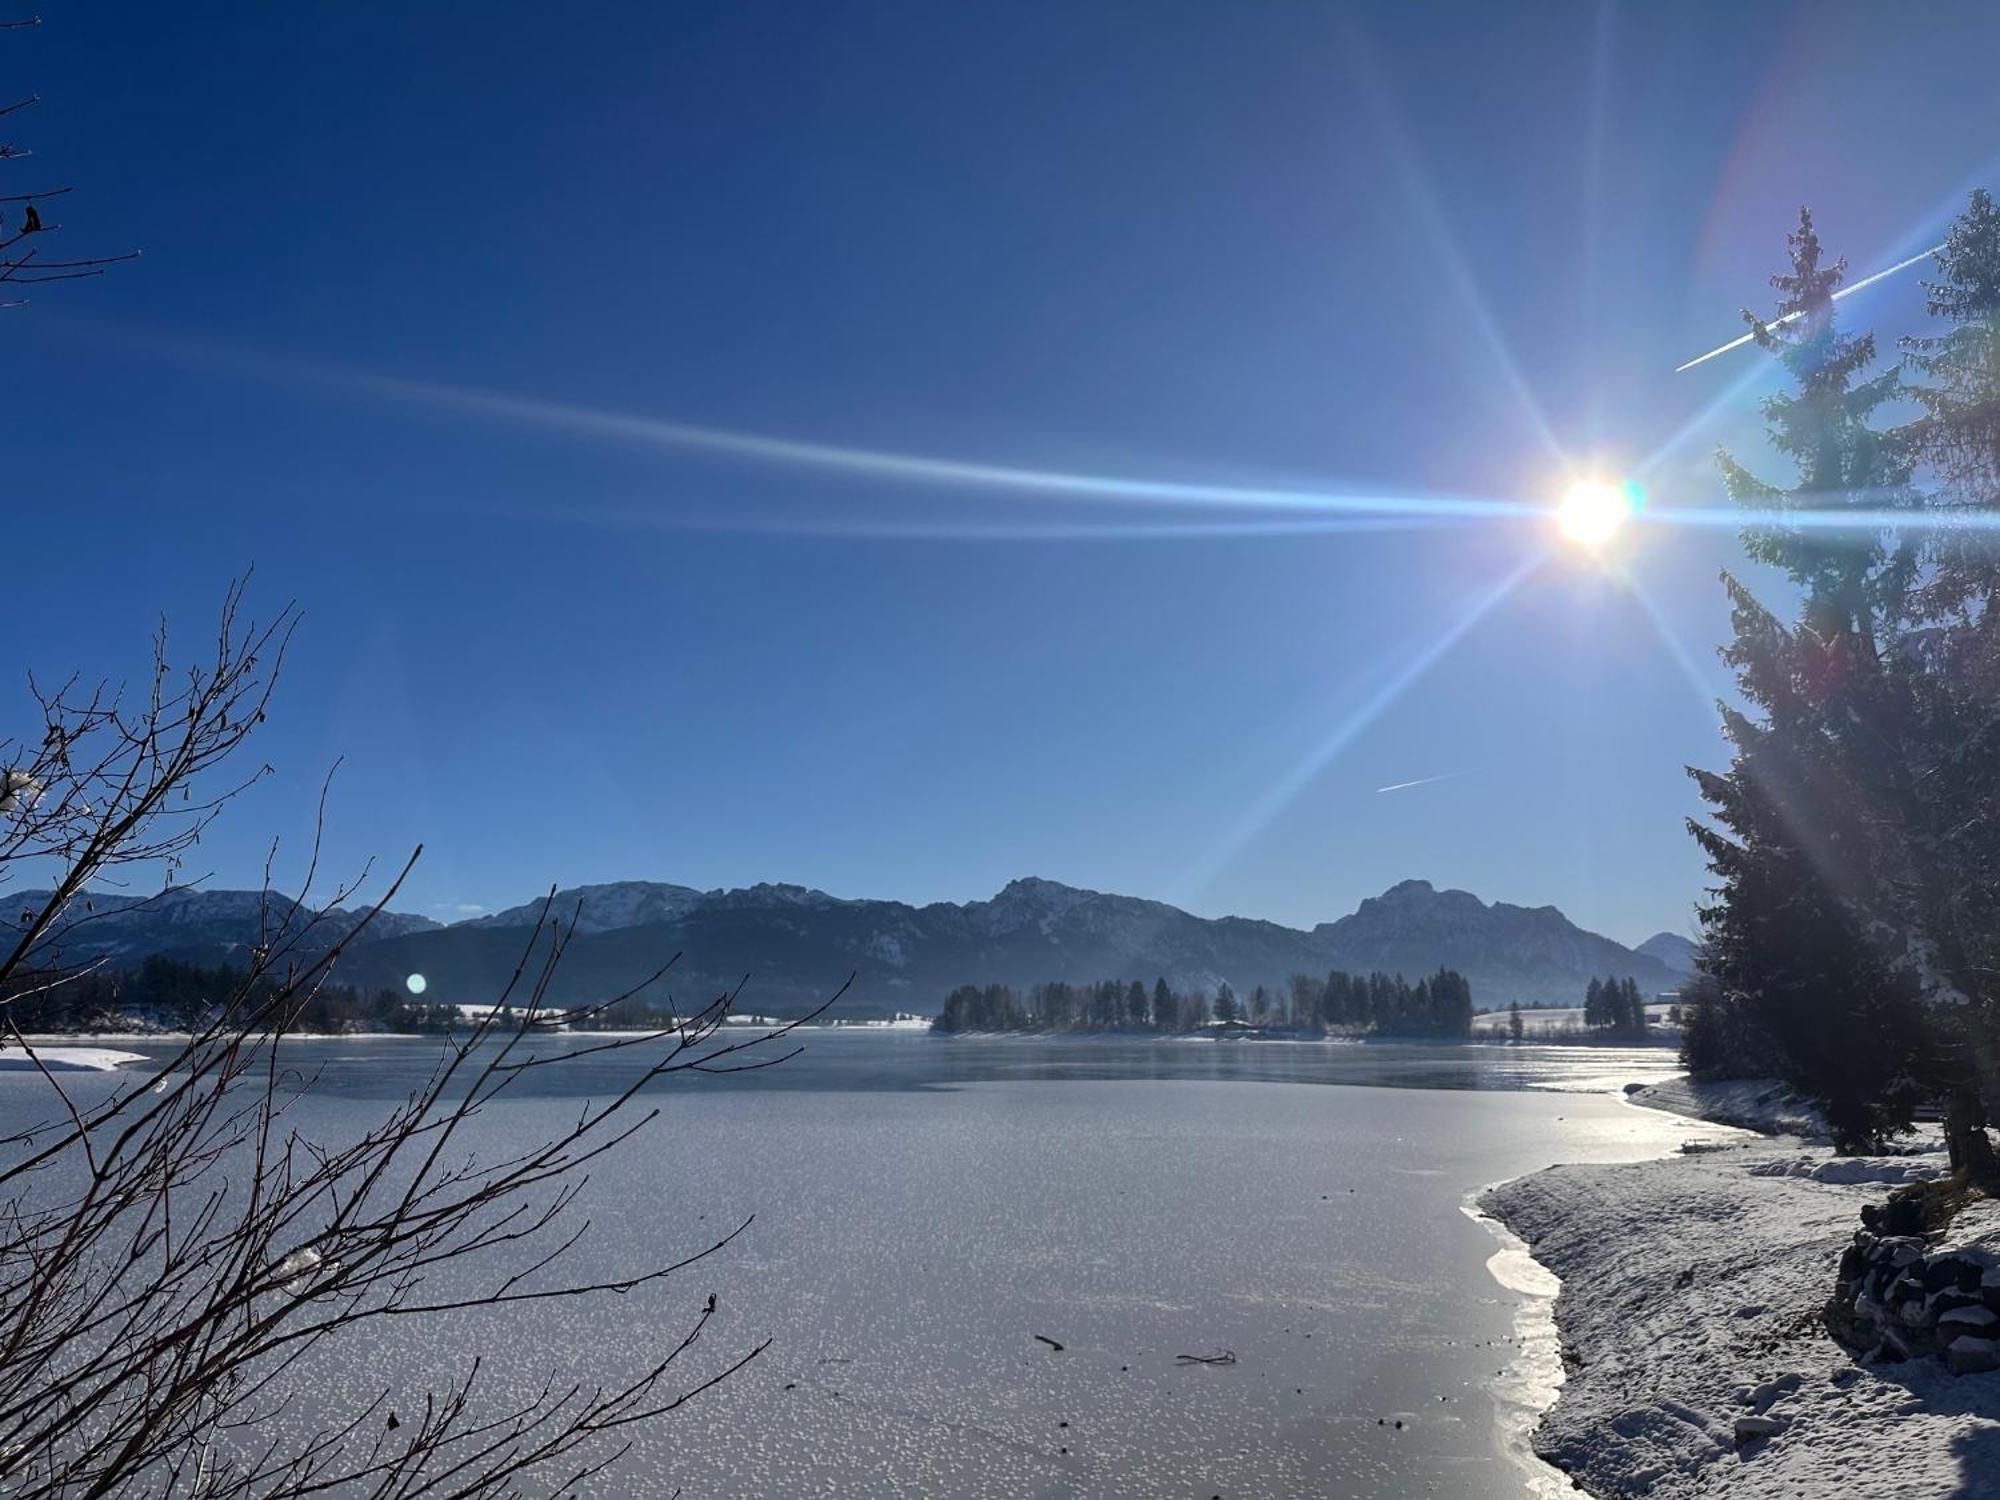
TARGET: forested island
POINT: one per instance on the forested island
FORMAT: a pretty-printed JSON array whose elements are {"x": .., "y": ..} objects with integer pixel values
[{"x": 1439, "y": 1005}]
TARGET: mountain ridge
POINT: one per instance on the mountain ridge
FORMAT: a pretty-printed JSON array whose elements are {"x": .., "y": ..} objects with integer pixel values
[{"x": 796, "y": 944}]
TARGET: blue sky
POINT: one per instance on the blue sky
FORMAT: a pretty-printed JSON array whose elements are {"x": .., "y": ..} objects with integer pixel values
[{"x": 1395, "y": 250}]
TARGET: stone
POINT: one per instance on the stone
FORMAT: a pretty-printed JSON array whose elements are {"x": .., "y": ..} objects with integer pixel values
[
  {"x": 1751, "y": 1428},
  {"x": 1899, "y": 1216},
  {"x": 1942, "y": 1271},
  {"x": 1955, "y": 1301},
  {"x": 1972, "y": 1356},
  {"x": 1980, "y": 1322}
]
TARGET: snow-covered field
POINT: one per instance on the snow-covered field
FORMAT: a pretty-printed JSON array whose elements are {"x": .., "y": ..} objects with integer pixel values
[{"x": 1692, "y": 1289}]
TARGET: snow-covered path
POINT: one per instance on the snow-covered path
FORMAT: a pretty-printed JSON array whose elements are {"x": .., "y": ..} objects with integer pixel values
[{"x": 1691, "y": 1297}]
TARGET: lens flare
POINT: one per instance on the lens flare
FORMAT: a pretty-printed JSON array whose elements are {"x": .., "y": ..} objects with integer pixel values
[
  {"x": 416, "y": 984},
  {"x": 1593, "y": 511}
]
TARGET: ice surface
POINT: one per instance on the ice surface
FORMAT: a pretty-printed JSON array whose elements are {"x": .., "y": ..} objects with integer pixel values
[{"x": 924, "y": 1208}]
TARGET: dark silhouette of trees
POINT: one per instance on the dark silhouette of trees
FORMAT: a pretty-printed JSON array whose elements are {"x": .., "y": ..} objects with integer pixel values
[
  {"x": 1439, "y": 1005},
  {"x": 1615, "y": 1005},
  {"x": 1849, "y": 921}
]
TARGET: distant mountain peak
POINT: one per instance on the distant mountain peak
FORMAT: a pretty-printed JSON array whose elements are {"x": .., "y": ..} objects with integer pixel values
[
  {"x": 1672, "y": 949},
  {"x": 769, "y": 894},
  {"x": 1422, "y": 895},
  {"x": 1036, "y": 888},
  {"x": 602, "y": 907}
]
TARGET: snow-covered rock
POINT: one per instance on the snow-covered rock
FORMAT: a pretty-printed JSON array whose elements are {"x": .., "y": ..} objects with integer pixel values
[{"x": 1851, "y": 1171}]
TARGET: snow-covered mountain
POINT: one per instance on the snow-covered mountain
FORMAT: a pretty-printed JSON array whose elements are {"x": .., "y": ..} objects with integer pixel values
[
  {"x": 601, "y": 908},
  {"x": 197, "y": 925},
  {"x": 796, "y": 945}
]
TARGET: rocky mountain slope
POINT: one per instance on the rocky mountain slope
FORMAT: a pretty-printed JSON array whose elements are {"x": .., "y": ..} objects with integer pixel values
[{"x": 797, "y": 945}]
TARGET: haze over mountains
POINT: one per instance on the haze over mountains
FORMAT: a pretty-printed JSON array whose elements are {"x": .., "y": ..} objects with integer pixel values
[{"x": 797, "y": 945}]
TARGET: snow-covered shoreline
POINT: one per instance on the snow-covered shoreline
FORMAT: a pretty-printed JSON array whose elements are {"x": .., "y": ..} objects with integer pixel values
[
  {"x": 63, "y": 1059},
  {"x": 1692, "y": 1291}
]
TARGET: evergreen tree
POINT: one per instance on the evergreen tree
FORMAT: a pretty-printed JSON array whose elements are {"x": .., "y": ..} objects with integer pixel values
[
  {"x": 1166, "y": 1008},
  {"x": 1308, "y": 999},
  {"x": 1951, "y": 658},
  {"x": 1136, "y": 1008},
  {"x": 1634, "y": 1007},
  {"x": 1337, "y": 1002},
  {"x": 1194, "y": 1012},
  {"x": 1225, "y": 1003},
  {"x": 1515, "y": 1029},
  {"x": 1801, "y": 844}
]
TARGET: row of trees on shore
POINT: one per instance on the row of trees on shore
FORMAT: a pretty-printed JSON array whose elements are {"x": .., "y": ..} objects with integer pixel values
[
  {"x": 1853, "y": 942},
  {"x": 1439, "y": 1005},
  {"x": 1615, "y": 1005},
  {"x": 171, "y": 994}
]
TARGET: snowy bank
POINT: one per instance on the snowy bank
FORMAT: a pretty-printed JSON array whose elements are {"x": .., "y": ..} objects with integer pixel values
[
  {"x": 1699, "y": 1363},
  {"x": 1761, "y": 1104},
  {"x": 65, "y": 1060}
]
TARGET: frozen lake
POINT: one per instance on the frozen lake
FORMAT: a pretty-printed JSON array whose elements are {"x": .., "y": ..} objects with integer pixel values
[{"x": 925, "y": 1206}]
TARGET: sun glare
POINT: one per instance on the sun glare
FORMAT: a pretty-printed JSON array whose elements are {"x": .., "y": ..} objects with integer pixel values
[{"x": 1593, "y": 511}]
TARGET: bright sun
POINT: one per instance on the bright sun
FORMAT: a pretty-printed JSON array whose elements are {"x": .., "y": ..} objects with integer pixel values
[{"x": 1593, "y": 511}]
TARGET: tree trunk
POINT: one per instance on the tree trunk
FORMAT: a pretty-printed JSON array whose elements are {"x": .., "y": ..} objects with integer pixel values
[{"x": 1965, "y": 1137}]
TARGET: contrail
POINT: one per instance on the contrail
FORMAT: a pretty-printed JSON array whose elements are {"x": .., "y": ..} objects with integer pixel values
[
  {"x": 1846, "y": 291},
  {"x": 1420, "y": 781}
]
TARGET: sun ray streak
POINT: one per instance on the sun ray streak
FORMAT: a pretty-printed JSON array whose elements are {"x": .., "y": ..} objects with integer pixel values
[
  {"x": 921, "y": 469},
  {"x": 1416, "y": 185},
  {"x": 832, "y": 458},
  {"x": 948, "y": 530},
  {"x": 1857, "y": 519},
  {"x": 1589, "y": 284},
  {"x": 1286, "y": 789},
  {"x": 1671, "y": 644},
  {"x": 1726, "y": 400}
]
